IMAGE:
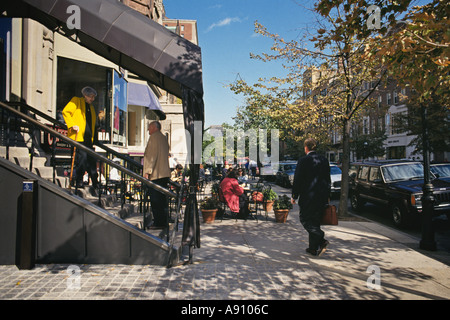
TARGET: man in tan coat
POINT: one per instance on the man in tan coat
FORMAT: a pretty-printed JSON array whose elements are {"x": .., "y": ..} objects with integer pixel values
[{"x": 157, "y": 170}]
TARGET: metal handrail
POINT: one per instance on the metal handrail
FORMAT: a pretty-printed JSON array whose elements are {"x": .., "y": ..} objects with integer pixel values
[
  {"x": 64, "y": 126},
  {"x": 89, "y": 151},
  {"x": 144, "y": 181}
]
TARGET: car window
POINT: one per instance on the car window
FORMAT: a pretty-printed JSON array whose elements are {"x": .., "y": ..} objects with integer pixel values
[
  {"x": 335, "y": 170},
  {"x": 443, "y": 171},
  {"x": 352, "y": 171},
  {"x": 363, "y": 173},
  {"x": 375, "y": 174},
  {"x": 405, "y": 171}
]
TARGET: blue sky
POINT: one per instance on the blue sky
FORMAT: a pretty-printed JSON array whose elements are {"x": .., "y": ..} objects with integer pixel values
[{"x": 226, "y": 37}]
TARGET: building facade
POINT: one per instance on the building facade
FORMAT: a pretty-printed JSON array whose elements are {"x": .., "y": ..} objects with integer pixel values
[
  {"x": 46, "y": 69},
  {"x": 172, "y": 105}
]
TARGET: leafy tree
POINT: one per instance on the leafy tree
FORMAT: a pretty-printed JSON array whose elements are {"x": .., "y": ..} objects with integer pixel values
[
  {"x": 438, "y": 127},
  {"x": 369, "y": 145},
  {"x": 416, "y": 52},
  {"x": 324, "y": 87}
]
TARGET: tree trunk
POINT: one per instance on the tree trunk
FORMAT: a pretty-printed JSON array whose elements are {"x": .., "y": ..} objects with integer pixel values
[{"x": 343, "y": 201}]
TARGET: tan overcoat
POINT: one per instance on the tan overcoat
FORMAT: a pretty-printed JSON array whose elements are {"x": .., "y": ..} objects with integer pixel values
[{"x": 156, "y": 157}]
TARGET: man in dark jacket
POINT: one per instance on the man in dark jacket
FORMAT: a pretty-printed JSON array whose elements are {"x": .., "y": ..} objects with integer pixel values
[{"x": 312, "y": 185}]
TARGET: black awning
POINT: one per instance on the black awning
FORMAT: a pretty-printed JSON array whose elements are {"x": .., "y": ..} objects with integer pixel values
[
  {"x": 140, "y": 45},
  {"x": 123, "y": 36}
]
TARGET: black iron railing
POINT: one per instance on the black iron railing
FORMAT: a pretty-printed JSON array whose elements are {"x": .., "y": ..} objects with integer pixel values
[{"x": 17, "y": 118}]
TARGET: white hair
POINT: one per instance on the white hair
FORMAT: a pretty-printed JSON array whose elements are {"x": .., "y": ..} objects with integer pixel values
[
  {"x": 156, "y": 124},
  {"x": 88, "y": 91}
]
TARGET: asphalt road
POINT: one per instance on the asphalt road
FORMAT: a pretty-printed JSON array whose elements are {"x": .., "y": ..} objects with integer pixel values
[{"x": 381, "y": 215}]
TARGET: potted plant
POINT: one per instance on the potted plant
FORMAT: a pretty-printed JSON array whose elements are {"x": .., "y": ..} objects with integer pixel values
[
  {"x": 269, "y": 197},
  {"x": 215, "y": 190},
  {"x": 281, "y": 207},
  {"x": 209, "y": 207}
]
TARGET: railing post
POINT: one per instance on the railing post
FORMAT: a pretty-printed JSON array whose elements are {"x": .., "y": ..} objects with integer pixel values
[{"x": 26, "y": 226}]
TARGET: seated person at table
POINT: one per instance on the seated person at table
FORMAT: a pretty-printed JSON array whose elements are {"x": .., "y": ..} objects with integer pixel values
[
  {"x": 234, "y": 195},
  {"x": 177, "y": 174},
  {"x": 242, "y": 177}
]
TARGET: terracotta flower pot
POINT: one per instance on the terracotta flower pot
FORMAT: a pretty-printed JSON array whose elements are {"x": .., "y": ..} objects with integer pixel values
[
  {"x": 268, "y": 204},
  {"x": 281, "y": 215},
  {"x": 209, "y": 215}
]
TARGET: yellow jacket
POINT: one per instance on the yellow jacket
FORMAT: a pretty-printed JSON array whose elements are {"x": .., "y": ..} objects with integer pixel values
[{"x": 74, "y": 114}]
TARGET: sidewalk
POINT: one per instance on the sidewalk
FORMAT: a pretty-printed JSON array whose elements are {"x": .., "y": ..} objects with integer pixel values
[{"x": 256, "y": 260}]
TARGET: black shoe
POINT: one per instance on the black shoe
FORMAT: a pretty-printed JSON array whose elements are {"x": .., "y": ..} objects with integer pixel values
[
  {"x": 311, "y": 251},
  {"x": 322, "y": 247}
]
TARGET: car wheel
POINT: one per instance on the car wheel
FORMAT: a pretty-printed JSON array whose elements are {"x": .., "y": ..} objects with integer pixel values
[
  {"x": 356, "y": 202},
  {"x": 399, "y": 215}
]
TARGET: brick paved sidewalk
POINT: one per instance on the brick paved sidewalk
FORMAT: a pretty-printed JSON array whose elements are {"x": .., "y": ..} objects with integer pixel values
[{"x": 248, "y": 260}]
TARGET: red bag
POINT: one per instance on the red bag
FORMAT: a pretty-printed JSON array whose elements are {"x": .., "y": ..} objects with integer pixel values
[{"x": 330, "y": 216}]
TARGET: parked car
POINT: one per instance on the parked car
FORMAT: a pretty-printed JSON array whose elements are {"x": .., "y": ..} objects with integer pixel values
[
  {"x": 285, "y": 173},
  {"x": 268, "y": 172},
  {"x": 396, "y": 185},
  {"x": 336, "y": 175},
  {"x": 441, "y": 171}
]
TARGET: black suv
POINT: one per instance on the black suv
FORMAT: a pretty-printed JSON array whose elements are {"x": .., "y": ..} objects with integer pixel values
[{"x": 397, "y": 185}]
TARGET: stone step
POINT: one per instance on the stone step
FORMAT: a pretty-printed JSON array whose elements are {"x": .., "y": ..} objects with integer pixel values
[
  {"x": 14, "y": 152},
  {"x": 23, "y": 162}
]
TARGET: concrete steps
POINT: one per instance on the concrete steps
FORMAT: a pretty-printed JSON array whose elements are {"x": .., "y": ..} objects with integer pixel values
[
  {"x": 129, "y": 212},
  {"x": 21, "y": 157}
]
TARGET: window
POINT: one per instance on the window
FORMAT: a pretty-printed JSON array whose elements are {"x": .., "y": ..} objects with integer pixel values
[
  {"x": 403, "y": 172},
  {"x": 375, "y": 175},
  {"x": 120, "y": 104},
  {"x": 395, "y": 97},
  {"x": 397, "y": 123},
  {"x": 388, "y": 122},
  {"x": 389, "y": 99},
  {"x": 363, "y": 173}
]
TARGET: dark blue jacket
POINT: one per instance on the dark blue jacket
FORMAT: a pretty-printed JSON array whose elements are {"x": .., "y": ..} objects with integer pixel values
[{"x": 312, "y": 182}]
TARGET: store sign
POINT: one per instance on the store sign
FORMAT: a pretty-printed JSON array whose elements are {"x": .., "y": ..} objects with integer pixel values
[{"x": 49, "y": 140}]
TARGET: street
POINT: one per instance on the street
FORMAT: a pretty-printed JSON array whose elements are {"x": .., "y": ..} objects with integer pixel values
[{"x": 381, "y": 215}]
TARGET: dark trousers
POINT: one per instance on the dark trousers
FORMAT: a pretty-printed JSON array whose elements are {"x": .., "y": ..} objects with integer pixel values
[
  {"x": 310, "y": 218},
  {"x": 85, "y": 163},
  {"x": 159, "y": 203}
]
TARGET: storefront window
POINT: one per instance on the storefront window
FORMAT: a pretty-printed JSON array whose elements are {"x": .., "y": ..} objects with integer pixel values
[{"x": 120, "y": 110}]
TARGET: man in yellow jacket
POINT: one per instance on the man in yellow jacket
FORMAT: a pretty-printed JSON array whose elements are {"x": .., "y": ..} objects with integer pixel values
[
  {"x": 156, "y": 168},
  {"x": 80, "y": 117}
]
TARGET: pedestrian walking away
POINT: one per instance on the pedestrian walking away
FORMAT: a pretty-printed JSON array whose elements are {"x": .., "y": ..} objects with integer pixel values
[
  {"x": 157, "y": 170},
  {"x": 312, "y": 186},
  {"x": 80, "y": 118}
]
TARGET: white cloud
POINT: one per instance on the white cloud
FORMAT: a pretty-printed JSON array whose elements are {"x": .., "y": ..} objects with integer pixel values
[{"x": 223, "y": 23}]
